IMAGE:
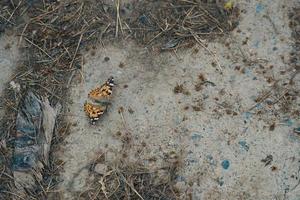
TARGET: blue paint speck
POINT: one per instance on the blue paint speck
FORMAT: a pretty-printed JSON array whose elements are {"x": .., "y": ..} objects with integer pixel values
[
  {"x": 259, "y": 8},
  {"x": 196, "y": 136},
  {"x": 225, "y": 164},
  {"x": 244, "y": 145},
  {"x": 289, "y": 122},
  {"x": 256, "y": 44},
  {"x": 248, "y": 72},
  {"x": 247, "y": 115},
  {"x": 259, "y": 106}
]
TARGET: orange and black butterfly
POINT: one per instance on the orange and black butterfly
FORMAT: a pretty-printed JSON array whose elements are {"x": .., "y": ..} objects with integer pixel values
[{"x": 104, "y": 92}]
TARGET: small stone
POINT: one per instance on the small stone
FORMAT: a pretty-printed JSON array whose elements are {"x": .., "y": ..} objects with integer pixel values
[
  {"x": 161, "y": 176},
  {"x": 106, "y": 59},
  {"x": 101, "y": 169},
  {"x": 181, "y": 186}
]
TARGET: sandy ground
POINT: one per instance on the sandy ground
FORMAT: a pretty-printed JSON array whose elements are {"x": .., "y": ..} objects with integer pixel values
[
  {"x": 220, "y": 131},
  {"x": 223, "y": 133},
  {"x": 9, "y": 56}
]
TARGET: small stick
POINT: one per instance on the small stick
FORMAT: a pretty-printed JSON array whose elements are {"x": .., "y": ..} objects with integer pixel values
[
  {"x": 282, "y": 95},
  {"x": 42, "y": 15},
  {"x": 12, "y": 3},
  {"x": 120, "y": 17},
  {"x": 261, "y": 100},
  {"x": 49, "y": 91},
  {"x": 21, "y": 37},
  {"x": 15, "y": 10},
  {"x": 208, "y": 50},
  {"x": 136, "y": 192},
  {"x": 71, "y": 77},
  {"x": 117, "y": 20},
  {"x": 7, "y": 20},
  {"x": 76, "y": 51},
  {"x": 12, "y": 194},
  {"x": 39, "y": 48},
  {"x": 272, "y": 23},
  {"x": 102, "y": 33}
]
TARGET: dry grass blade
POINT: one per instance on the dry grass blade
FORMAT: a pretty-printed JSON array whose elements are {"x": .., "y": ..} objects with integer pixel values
[{"x": 180, "y": 20}]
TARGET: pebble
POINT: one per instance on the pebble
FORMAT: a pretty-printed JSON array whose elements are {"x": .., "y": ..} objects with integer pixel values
[
  {"x": 101, "y": 168},
  {"x": 181, "y": 186}
]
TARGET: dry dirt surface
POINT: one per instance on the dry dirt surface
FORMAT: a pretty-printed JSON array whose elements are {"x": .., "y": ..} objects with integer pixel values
[
  {"x": 229, "y": 113},
  {"x": 9, "y": 56},
  {"x": 218, "y": 119}
]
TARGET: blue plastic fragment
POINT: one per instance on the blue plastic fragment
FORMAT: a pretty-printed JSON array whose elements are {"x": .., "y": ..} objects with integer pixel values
[
  {"x": 28, "y": 137},
  {"x": 297, "y": 130},
  {"x": 24, "y": 141},
  {"x": 23, "y": 161}
]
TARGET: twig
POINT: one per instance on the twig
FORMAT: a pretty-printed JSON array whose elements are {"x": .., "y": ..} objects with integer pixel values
[
  {"x": 272, "y": 23},
  {"x": 7, "y": 192},
  {"x": 208, "y": 50},
  {"x": 14, "y": 10},
  {"x": 102, "y": 33},
  {"x": 76, "y": 51},
  {"x": 21, "y": 36},
  {"x": 7, "y": 20},
  {"x": 262, "y": 99},
  {"x": 136, "y": 192},
  {"x": 118, "y": 17},
  {"x": 103, "y": 188},
  {"x": 39, "y": 48},
  {"x": 71, "y": 77},
  {"x": 49, "y": 91}
]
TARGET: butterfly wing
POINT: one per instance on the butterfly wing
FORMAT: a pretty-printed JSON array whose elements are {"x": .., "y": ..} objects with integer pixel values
[
  {"x": 94, "y": 111},
  {"x": 104, "y": 91}
]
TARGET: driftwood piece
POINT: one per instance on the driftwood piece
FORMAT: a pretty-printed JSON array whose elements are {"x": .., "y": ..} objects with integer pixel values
[{"x": 34, "y": 130}]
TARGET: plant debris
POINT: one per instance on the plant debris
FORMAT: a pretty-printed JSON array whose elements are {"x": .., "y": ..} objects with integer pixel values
[
  {"x": 268, "y": 160},
  {"x": 176, "y": 23},
  {"x": 179, "y": 88},
  {"x": 132, "y": 181}
]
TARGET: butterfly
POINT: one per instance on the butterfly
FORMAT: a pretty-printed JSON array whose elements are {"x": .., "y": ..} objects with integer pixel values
[
  {"x": 94, "y": 111},
  {"x": 102, "y": 92},
  {"x": 100, "y": 95}
]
